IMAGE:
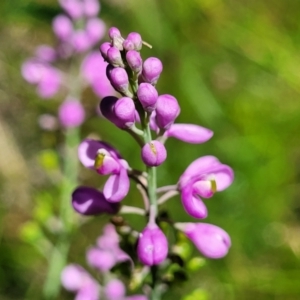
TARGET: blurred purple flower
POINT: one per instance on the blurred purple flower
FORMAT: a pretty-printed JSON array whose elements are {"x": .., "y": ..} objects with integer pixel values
[
  {"x": 93, "y": 69},
  {"x": 71, "y": 113}
]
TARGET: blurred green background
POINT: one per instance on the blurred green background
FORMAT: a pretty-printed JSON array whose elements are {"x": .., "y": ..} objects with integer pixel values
[{"x": 234, "y": 66}]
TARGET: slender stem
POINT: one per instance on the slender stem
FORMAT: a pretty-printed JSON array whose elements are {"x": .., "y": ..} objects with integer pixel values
[
  {"x": 132, "y": 210},
  {"x": 167, "y": 188},
  {"x": 165, "y": 197}
]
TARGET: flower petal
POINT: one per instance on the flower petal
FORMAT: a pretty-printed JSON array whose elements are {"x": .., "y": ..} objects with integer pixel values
[
  {"x": 189, "y": 133},
  {"x": 88, "y": 149},
  {"x": 117, "y": 186},
  {"x": 212, "y": 241},
  {"x": 193, "y": 205},
  {"x": 89, "y": 201}
]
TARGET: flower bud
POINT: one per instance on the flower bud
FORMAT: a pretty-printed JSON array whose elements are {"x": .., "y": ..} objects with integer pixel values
[
  {"x": 128, "y": 45},
  {"x": 134, "y": 61},
  {"x": 62, "y": 27},
  {"x": 95, "y": 29},
  {"x": 107, "y": 108},
  {"x": 119, "y": 80},
  {"x": 152, "y": 69},
  {"x": 72, "y": 277},
  {"x": 114, "y": 32},
  {"x": 116, "y": 38},
  {"x": 152, "y": 248},
  {"x": 49, "y": 83},
  {"x": 167, "y": 110},
  {"x": 104, "y": 49},
  {"x": 114, "y": 57},
  {"x": 72, "y": 7},
  {"x": 91, "y": 8},
  {"x": 154, "y": 153},
  {"x": 212, "y": 241},
  {"x": 81, "y": 41},
  {"x": 147, "y": 95},
  {"x": 136, "y": 40},
  {"x": 89, "y": 201},
  {"x": 124, "y": 110},
  {"x": 115, "y": 290},
  {"x": 71, "y": 113}
]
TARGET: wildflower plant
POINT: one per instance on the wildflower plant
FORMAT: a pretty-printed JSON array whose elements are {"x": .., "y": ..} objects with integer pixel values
[{"x": 149, "y": 117}]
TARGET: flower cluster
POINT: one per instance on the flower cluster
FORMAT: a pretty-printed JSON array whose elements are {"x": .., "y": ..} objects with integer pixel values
[
  {"x": 77, "y": 31},
  {"x": 103, "y": 257},
  {"x": 144, "y": 113}
]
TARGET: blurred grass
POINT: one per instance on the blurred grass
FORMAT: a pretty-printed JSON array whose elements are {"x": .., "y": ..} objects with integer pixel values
[{"x": 234, "y": 67}]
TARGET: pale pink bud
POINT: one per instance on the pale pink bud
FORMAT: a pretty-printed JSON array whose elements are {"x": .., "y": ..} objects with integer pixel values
[
  {"x": 154, "y": 153},
  {"x": 134, "y": 61}
]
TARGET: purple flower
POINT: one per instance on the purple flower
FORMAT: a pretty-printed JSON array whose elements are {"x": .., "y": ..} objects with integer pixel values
[
  {"x": 154, "y": 153},
  {"x": 93, "y": 69},
  {"x": 189, "y": 133},
  {"x": 81, "y": 41},
  {"x": 89, "y": 201},
  {"x": 147, "y": 95},
  {"x": 203, "y": 178},
  {"x": 167, "y": 110},
  {"x": 115, "y": 290},
  {"x": 45, "y": 53},
  {"x": 152, "y": 248},
  {"x": 91, "y": 8},
  {"x": 107, "y": 253},
  {"x": 152, "y": 69},
  {"x": 62, "y": 27},
  {"x": 105, "y": 160},
  {"x": 71, "y": 113},
  {"x": 95, "y": 29},
  {"x": 73, "y": 8},
  {"x": 212, "y": 241},
  {"x": 76, "y": 279}
]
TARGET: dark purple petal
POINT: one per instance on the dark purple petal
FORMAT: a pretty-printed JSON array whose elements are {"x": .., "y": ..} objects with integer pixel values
[{"x": 89, "y": 201}]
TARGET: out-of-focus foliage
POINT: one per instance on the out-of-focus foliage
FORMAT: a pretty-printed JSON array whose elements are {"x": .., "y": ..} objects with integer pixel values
[{"x": 234, "y": 66}]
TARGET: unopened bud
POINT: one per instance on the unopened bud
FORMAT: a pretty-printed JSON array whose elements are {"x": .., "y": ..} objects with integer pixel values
[
  {"x": 152, "y": 69},
  {"x": 147, "y": 95},
  {"x": 167, "y": 110},
  {"x": 134, "y": 61}
]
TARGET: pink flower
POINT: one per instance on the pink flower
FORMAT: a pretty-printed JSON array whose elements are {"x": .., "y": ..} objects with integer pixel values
[
  {"x": 106, "y": 161},
  {"x": 93, "y": 69},
  {"x": 202, "y": 178}
]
